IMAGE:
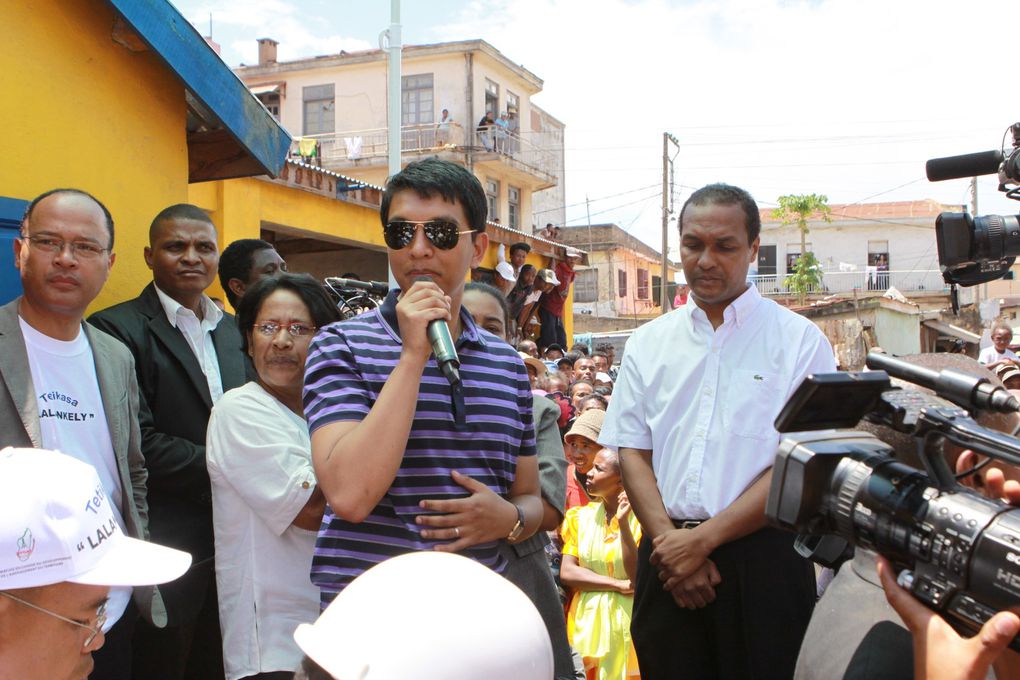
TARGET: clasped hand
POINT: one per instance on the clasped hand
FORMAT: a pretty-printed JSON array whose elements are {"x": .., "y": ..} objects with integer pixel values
[{"x": 681, "y": 559}]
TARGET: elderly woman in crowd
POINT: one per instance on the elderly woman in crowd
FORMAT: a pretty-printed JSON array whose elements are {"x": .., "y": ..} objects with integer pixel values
[
  {"x": 599, "y": 564},
  {"x": 266, "y": 505}
]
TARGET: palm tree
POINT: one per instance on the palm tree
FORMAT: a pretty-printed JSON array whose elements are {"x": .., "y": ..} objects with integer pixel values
[{"x": 796, "y": 209}]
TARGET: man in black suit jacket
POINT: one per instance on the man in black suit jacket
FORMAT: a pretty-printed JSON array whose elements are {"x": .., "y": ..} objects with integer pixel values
[{"x": 187, "y": 354}]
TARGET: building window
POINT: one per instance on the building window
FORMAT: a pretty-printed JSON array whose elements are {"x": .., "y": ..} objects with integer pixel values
[
  {"x": 318, "y": 109},
  {"x": 878, "y": 265},
  {"x": 416, "y": 97},
  {"x": 513, "y": 103},
  {"x": 513, "y": 213},
  {"x": 492, "y": 198},
  {"x": 586, "y": 285},
  {"x": 792, "y": 253},
  {"x": 621, "y": 282},
  {"x": 642, "y": 284},
  {"x": 492, "y": 98}
]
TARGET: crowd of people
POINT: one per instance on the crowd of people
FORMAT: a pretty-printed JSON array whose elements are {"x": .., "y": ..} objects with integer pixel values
[{"x": 285, "y": 465}]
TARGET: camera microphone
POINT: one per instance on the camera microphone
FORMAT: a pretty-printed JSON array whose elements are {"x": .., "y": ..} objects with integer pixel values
[
  {"x": 442, "y": 346},
  {"x": 959, "y": 387},
  {"x": 967, "y": 165}
]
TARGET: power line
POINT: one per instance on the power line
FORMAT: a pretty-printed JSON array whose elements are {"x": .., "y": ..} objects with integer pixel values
[
  {"x": 640, "y": 200},
  {"x": 600, "y": 198}
]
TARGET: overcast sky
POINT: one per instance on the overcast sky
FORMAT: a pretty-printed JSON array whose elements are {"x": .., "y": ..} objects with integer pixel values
[{"x": 846, "y": 98}]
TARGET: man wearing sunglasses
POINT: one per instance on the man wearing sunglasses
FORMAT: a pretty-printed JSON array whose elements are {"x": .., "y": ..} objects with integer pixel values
[
  {"x": 64, "y": 549},
  {"x": 407, "y": 460}
]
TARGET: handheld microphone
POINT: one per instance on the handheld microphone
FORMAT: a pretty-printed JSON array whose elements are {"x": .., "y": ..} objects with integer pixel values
[{"x": 443, "y": 347}]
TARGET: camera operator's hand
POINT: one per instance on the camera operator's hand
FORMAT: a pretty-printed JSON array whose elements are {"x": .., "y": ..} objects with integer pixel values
[
  {"x": 993, "y": 481},
  {"x": 939, "y": 651}
]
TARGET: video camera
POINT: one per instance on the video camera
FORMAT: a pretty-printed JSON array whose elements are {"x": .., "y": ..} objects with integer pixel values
[
  {"x": 959, "y": 551},
  {"x": 978, "y": 249}
]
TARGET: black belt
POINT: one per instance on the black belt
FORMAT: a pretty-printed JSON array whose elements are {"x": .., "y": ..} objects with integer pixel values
[{"x": 687, "y": 523}]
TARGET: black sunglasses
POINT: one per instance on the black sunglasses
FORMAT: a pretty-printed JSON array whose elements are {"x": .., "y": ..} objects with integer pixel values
[{"x": 443, "y": 234}]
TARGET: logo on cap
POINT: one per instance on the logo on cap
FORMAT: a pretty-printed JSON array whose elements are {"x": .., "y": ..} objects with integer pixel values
[{"x": 26, "y": 545}]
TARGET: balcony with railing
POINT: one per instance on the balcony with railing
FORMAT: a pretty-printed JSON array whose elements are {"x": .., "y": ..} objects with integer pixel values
[
  {"x": 521, "y": 155},
  {"x": 836, "y": 282}
]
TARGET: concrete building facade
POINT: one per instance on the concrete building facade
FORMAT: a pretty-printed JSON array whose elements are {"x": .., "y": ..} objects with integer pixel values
[
  {"x": 866, "y": 246},
  {"x": 622, "y": 278},
  {"x": 337, "y": 108}
]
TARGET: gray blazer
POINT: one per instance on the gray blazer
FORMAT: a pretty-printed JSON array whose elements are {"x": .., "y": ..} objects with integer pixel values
[{"x": 19, "y": 424}]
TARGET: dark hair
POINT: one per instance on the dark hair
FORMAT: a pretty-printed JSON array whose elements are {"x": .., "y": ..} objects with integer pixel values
[
  {"x": 570, "y": 388},
  {"x": 492, "y": 292},
  {"x": 600, "y": 353},
  {"x": 178, "y": 211},
  {"x": 236, "y": 261},
  {"x": 564, "y": 360},
  {"x": 726, "y": 194},
  {"x": 594, "y": 396},
  {"x": 431, "y": 177},
  {"x": 320, "y": 306},
  {"x": 520, "y": 246},
  {"x": 35, "y": 201},
  {"x": 573, "y": 356},
  {"x": 579, "y": 347}
]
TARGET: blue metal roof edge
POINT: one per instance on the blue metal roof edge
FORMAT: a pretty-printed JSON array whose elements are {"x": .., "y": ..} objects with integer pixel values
[{"x": 209, "y": 79}]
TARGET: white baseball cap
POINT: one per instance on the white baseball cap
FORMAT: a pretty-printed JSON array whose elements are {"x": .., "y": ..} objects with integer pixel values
[
  {"x": 506, "y": 270},
  {"x": 57, "y": 524},
  {"x": 441, "y": 596}
]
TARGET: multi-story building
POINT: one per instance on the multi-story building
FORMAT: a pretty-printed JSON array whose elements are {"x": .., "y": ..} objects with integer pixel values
[
  {"x": 864, "y": 246},
  {"x": 336, "y": 108},
  {"x": 622, "y": 279}
]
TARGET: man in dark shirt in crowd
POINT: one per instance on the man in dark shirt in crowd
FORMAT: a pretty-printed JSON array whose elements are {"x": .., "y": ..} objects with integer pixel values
[{"x": 246, "y": 261}]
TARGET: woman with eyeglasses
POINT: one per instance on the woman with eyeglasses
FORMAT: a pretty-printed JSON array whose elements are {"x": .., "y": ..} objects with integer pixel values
[{"x": 266, "y": 505}]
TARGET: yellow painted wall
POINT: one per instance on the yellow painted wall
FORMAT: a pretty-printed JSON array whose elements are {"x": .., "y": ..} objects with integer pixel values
[{"x": 82, "y": 111}]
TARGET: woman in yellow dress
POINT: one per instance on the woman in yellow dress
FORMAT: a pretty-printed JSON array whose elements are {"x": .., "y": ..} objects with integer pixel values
[{"x": 599, "y": 563}]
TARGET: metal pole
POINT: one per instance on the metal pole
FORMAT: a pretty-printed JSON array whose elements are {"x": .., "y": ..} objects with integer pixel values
[
  {"x": 591, "y": 254},
  {"x": 395, "y": 47},
  {"x": 663, "y": 280},
  {"x": 393, "y": 100}
]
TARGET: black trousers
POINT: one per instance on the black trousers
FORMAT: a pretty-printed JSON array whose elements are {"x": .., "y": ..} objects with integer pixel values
[
  {"x": 751, "y": 631},
  {"x": 190, "y": 651},
  {"x": 113, "y": 659},
  {"x": 552, "y": 330}
]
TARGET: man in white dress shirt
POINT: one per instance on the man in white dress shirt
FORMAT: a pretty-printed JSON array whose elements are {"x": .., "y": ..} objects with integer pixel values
[{"x": 718, "y": 594}]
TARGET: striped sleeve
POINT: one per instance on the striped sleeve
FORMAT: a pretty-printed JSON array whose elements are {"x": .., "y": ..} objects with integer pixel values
[{"x": 334, "y": 390}]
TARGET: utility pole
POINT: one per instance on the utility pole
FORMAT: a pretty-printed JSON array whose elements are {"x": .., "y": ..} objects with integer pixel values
[
  {"x": 591, "y": 253},
  {"x": 667, "y": 163},
  {"x": 393, "y": 47}
]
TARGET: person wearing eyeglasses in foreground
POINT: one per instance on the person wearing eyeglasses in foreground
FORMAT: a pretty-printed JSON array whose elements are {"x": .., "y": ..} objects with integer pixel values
[
  {"x": 64, "y": 550},
  {"x": 266, "y": 505},
  {"x": 407, "y": 460}
]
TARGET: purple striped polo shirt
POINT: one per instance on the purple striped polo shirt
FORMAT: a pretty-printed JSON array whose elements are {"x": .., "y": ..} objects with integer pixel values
[{"x": 348, "y": 363}]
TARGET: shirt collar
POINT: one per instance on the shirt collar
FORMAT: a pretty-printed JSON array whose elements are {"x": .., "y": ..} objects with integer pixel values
[
  {"x": 738, "y": 311},
  {"x": 388, "y": 314},
  {"x": 211, "y": 314}
]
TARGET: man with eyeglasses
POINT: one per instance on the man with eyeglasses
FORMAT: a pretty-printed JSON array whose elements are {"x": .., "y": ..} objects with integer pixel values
[
  {"x": 67, "y": 386},
  {"x": 65, "y": 556},
  {"x": 408, "y": 459},
  {"x": 187, "y": 354}
]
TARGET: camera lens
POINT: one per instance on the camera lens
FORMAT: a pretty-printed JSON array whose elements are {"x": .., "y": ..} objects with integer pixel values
[{"x": 996, "y": 237}]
